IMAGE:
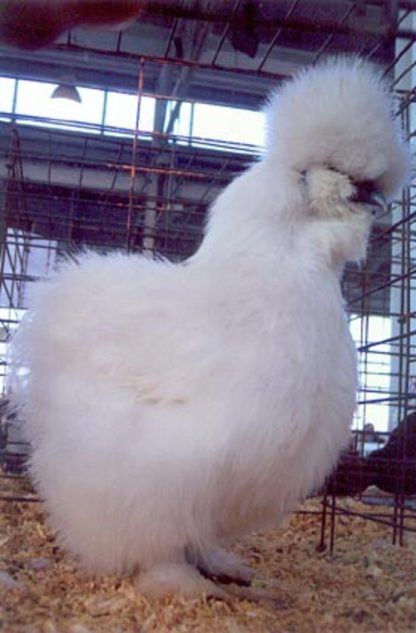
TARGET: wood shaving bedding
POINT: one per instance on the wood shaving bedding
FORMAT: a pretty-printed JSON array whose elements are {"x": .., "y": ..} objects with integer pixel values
[{"x": 367, "y": 585}]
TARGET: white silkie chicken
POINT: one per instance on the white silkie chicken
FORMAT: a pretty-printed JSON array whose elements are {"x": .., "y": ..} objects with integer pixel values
[{"x": 173, "y": 408}]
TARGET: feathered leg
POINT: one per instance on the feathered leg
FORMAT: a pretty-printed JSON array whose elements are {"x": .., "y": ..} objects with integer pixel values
[{"x": 224, "y": 567}]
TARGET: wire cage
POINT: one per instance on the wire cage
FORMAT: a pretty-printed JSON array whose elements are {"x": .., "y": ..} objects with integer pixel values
[
  {"x": 380, "y": 465},
  {"x": 73, "y": 185}
]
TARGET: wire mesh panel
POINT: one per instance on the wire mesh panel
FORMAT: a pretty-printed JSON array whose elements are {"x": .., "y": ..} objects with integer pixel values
[
  {"x": 381, "y": 464},
  {"x": 125, "y": 184}
]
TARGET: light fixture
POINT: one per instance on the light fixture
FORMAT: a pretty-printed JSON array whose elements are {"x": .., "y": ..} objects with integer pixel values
[{"x": 66, "y": 91}]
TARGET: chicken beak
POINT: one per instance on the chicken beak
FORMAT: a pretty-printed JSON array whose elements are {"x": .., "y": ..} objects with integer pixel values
[{"x": 378, "y": 203}]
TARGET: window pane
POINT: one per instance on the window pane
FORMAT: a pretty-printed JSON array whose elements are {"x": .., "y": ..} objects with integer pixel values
[
  {"x": 6, "y": 94},
  {"x": 34, "y": 98},
  {"x": 147, "y": 114},
  {"x": 374, "y": 368},
  {"x": 122, "y": 109},
  {"x": 182, "y": 126},
  {"x": 228, "y": 124}
]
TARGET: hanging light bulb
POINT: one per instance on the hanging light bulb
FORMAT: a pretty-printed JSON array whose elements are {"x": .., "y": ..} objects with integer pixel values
[{"x": 66, "y": 91}]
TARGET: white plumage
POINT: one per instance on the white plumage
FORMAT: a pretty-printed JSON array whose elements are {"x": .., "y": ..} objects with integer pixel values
[{"x": 174, "y": 407}]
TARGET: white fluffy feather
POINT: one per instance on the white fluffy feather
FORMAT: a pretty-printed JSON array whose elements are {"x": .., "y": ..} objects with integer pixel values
[{"x": 175, "y": 407}]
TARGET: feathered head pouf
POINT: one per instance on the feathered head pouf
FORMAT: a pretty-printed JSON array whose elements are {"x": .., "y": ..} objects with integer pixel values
[{"x": 333, "y": 124}]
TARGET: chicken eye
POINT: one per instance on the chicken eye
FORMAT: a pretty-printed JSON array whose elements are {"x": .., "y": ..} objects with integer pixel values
[{"x": 364, "y": 191}]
